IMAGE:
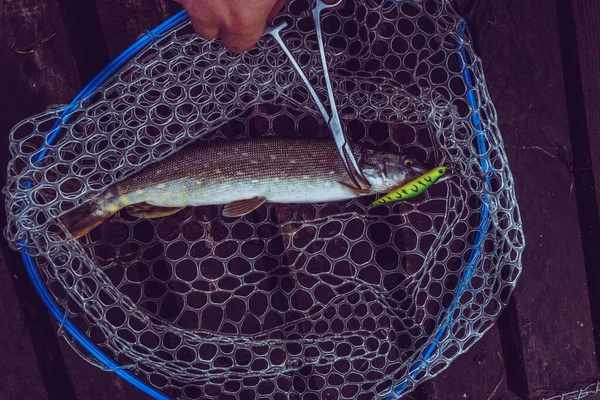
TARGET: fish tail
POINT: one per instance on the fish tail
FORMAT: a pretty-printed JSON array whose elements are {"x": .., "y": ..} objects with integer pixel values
[{"x": 86, "y": 217}]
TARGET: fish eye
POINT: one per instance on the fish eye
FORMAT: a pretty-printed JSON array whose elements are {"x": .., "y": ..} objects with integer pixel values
[{"x": 408, "y": 162}]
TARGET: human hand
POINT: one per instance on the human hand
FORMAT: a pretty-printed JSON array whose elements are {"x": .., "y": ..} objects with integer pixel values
[{"x": 240, "y": 23}]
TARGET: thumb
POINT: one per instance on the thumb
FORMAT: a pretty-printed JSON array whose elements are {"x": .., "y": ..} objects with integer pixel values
[
  {"x": 275, "y": 10},
  {"x": 237, "y": 41}
]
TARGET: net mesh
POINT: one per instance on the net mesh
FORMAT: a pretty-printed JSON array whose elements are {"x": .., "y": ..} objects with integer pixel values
[
  {"x": 314, "y": 301},
  {"x": 588, "y": 390}
]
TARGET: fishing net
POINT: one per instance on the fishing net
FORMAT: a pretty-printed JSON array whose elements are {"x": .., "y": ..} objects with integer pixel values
[
  {"x": 588, "y": 390},
  {"x": 311, "y": 301}
]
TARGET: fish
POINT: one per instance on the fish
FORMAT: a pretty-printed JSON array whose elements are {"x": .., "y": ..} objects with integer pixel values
[
  {"x": 242, "y": 175},
  {"x": 412, "y": 188}
]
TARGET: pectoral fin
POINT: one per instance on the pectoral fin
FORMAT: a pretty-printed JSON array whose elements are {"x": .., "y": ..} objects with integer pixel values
[
  {"x": 146, "y": 210},
  {"x": 242, "y": 207},
  {"x": 354, "y": 189}
]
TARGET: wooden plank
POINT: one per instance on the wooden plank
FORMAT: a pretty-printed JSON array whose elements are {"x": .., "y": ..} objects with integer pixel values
[
  {"x": 587, "y": 27},
  {"x": 124, "y": 21},
  {"x": 519, "y": 46},
  {"x": 479, "y": 374},
  {"x": 121, "y": 23},
  {"x": 82, "y": 26},
  {"x": 20, "y": 377},
  {"x": 584, "y": 28},
  {"x": 32, "y": 366},
  {"x": 548, "y": 324},
  {"x": 31, "y": 82},
  {"x": 91, "y": 382},
  {"x": 483, "y": 371}
]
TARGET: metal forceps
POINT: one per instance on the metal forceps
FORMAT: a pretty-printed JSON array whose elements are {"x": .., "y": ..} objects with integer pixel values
[{"x": 334, "y": 120}]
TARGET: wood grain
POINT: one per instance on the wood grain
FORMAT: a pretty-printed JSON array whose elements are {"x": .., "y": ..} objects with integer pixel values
[
  {"x": 479, "y": 374},
  {"x": 123, "y": 21},
  {"x": 587, "y": 26},
  {"x": 521, "y": 58},
  {"x": 32, "y": 366},
  {"x": 82, "y": 26},
  {"x": 583, "y": 61},
  {"x": 20, "y": 377},
  {"x": 36, "y": 364},
  {"x": 550, "y": 323}
]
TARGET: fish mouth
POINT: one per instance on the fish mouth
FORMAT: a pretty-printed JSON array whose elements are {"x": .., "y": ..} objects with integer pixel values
[{"x": 444, "y": 178}]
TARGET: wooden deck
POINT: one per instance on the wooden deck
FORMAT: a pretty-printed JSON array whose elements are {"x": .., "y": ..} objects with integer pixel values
[{"x": 541, "y": 60}]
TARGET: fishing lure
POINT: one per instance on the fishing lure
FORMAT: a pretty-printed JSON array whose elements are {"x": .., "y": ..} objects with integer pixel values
[{"x": 412, "y": 188}]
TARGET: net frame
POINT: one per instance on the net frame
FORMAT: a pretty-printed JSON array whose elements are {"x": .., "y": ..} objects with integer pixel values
[{"x": 419, "y": 363}]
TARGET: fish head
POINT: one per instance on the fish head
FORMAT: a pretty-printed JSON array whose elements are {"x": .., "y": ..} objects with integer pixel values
[{"x": 387, "y": 171}]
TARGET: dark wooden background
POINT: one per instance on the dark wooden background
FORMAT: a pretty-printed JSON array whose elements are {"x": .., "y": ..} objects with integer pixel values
[{"x": 542, "y": 63}]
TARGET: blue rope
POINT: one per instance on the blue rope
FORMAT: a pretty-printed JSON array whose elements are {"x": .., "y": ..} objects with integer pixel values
[
  {"x": 148, "y": 38},
  {"x": 481, "y": 230}
]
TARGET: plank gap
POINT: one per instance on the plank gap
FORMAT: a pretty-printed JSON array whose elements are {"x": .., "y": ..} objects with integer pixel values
[
  {"x": 37, "y": 321},
  {"x": 581, "y": 165},
  {"x": 512, "y": 350},
  {"x": 86, "y": 38}
]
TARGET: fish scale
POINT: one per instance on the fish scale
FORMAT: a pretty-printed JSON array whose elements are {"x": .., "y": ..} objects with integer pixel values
[
  {"x": 243, "y": 174},
  {"x": 245, "y": 168}
]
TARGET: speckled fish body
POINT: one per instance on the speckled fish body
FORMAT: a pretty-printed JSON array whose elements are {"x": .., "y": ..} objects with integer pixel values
[
  {"x": 253, "y": 171},
  {"x": 282, "y": 171}
]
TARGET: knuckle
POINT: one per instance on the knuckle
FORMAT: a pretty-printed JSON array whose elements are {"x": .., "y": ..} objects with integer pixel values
[
  {"x": 236, "y": 47},
  {"x": 241, "y": 21}
]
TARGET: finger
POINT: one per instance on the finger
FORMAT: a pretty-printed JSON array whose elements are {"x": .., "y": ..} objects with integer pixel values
[
  {"x": 275, "y": 10},
  {"x": 206, "y": 32},
  {"x": 238, "y": 42}
]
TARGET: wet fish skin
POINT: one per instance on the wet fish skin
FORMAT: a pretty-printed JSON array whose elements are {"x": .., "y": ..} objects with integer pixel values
[{"x": 249, "y": 171}]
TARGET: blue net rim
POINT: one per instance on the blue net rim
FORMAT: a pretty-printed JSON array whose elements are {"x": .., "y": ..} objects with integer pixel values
[{"x": 147, "y": 39}]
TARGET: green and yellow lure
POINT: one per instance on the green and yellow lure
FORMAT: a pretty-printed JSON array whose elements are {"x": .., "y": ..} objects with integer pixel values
[{"x": 412, "y": 188}]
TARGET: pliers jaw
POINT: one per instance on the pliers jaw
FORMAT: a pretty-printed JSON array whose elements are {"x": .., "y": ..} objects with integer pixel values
[{"x": 333, "y": 119}]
